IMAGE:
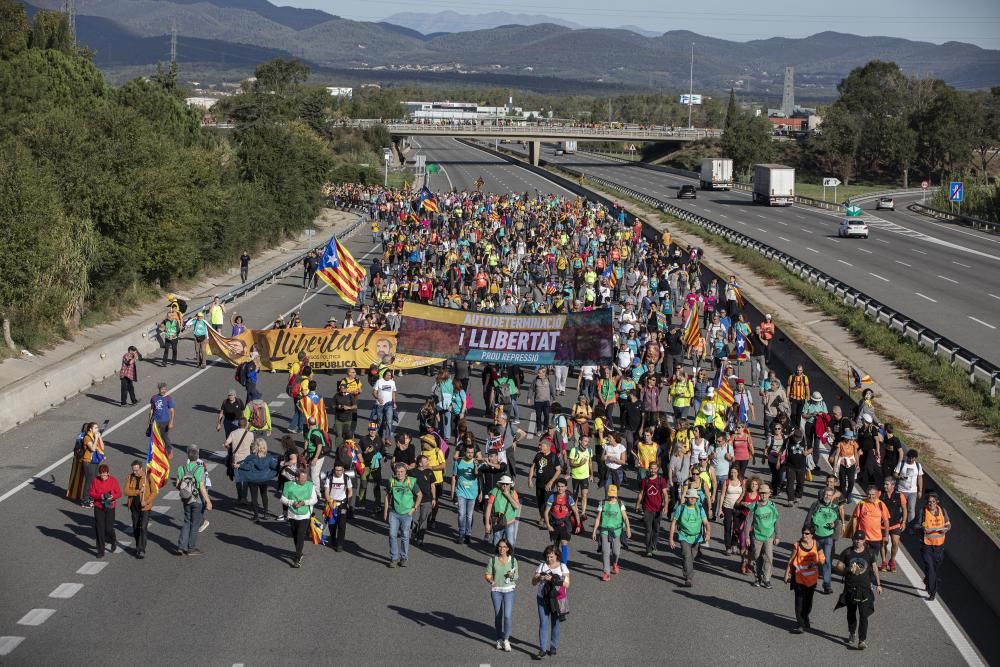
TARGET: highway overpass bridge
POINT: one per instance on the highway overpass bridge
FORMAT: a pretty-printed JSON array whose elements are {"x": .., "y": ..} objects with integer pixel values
[{"x": 533, "y": 134}]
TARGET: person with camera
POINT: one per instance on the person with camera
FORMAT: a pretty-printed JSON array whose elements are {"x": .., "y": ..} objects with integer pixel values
[
  {"x": 104, "y": 493},
  {"x": 552, "y": 579},
  {"x": 141, "y": 490},
  {"x": 501, "y": 575}
]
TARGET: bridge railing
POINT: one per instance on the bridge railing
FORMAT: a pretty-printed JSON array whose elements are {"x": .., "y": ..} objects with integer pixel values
[{"x": 537, "y": 130}]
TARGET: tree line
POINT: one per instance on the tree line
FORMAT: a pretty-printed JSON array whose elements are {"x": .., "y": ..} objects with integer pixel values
[{"x": 108, "y": 195}]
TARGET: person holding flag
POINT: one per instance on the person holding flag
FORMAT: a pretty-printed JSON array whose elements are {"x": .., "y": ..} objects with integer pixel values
[
  {"x": 141, "y": 489},
  {"x": 341, "y": 271}
]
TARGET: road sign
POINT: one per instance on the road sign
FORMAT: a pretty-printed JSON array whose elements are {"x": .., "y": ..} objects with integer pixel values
[
  {"x": 925, "y": 185},
  {"x": 433, "y": 168},
  {"x": 831, "y": 182},
  {"x": 853, "y": 211},
  {"x": 956, "y": 191}
]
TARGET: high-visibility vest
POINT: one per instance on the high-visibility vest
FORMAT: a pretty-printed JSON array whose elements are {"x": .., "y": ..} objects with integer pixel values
[
  {"x": 932, "y": 523},
  {"x": 806, "y": 565},
  {"x": 798, "y": 387}
]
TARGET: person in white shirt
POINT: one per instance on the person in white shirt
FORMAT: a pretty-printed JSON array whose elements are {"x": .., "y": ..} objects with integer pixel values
[
  {"x": 337, "y": 491},
  {"x": 586, "y": 383},
  {"x": 614, "y": 459},
  {"x": 385, "y": 404},
  {"x": 910, "y": 482}
]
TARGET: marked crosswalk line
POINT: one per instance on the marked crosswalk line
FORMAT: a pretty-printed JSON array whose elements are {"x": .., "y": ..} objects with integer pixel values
[
  {"x": 36, "y": 616},
  {"x": 9, "y": 643},
  {"x": 65, "y": 591}
]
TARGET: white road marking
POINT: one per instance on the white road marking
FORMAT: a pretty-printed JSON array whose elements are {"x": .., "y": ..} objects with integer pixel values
[
  {"x": 985, "y": 324},
  {"x": 904, "y": 263},
  {"x": 951, "y": 280},
  {"x": 92, "y": 567},
  {"x": 761, "y": 217},
  {"x": 882, "y": 241},
  {"x": 800, "y": 217},
  {"x": 879, "y": 277},
  {"x": 863, "y": 250},
  {"x": 9, "y": 643},
  {"x": 924, "y": 296},
  {"x": 762, "y": 229},
  {"x": 276, "y": 404},
  {"x": 843, "y": 262},
  {"x": 723, "y": 215},
  {"x": 65, "y": 591},
  {"x": 834, "y": 240},
  {"x": 742, "y": 210},
  {"x": 741, "y": 222},
  {"x": 812, "y": 250},
  {"x": 920, "y": 251},
  {"x": 283, "y": 395},
  {"x": 960, "y": 264},
  {"x": 36, "y": 616},
  {"x": 161, "y": 509},
  {"x": 784, "y": 239},
  {"x": 783, "y": 224},
  {"x": 807, "y": 231},
  {"x": 173, "y": 495},
  {"x": 995, "y": 296}
]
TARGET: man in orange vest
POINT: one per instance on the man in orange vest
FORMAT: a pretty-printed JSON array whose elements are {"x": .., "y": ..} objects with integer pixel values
[{"x": 935, "y": 524}]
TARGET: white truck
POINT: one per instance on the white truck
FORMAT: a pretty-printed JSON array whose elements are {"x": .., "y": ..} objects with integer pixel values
[
  {"x": 773, "y": 185},
  {"x": 567, "y": 147},
  {"x": 716, "y": 173}
]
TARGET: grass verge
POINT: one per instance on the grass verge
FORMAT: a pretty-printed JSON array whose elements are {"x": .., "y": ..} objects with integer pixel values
[
  {"x": 843, "y": 193},
  {"x": 948, "y": 384}
]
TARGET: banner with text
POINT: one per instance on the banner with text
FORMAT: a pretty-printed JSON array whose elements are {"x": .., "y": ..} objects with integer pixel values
[
  {"x": 328, "y": 349},
  {"x": 563, "y": 339}
]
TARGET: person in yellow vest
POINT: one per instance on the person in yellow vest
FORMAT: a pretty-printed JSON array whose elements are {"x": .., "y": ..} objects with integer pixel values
[
  {"x": 797, "y": 391},
  {"x": 936, "y": 525},
  {"x": 681, "y": 393},
  {"x": 217, "y": 314},
  {"x": 707, "y": 414}
]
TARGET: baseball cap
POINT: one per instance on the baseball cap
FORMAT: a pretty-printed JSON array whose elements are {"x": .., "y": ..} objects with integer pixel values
[
  {"x": 703, "y": 456},
  {"x": 765, "y": 488},
  {"x": 612, "y": 491},
  {"x": 372, "y": 426},
  {"x": 859, "y": 535},
  {"x": 768, "y": 316}
]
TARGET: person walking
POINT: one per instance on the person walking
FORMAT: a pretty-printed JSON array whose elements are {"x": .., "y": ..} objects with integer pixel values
[
  {"x": 935, "y": 524},
  {"x": 501, "y": 574},
  {"x": 141, "y": 491},
  {"x": 502, "y": 508},
  {"x": 230, "y": 413},
  {"x": 162, "y": 410},
  {"x": 694, "y": 530},
  {"x": 611, "y": 521},
  {"x": 244, "y": 266},
  {"x": 104, "y": 492},
  {"x": 190, "y": 482},
  {"x": 400, "y": 504},
  {"x": 129, "y": 375},
  {"x": 337, "y": 493},
  {"x": 541, "y": 395},
  {"x": 561, "y": 518},
  {"x": 424, "y": 477},
  {"x": 199, "y": 329},
  {"x": 299, "y": 497},
  {"x": 825, "y": 518},
  {"x": 857, "y": 564},
  {"x": 255, "y": 472},
  {"x": 552, "y": 580},
  {"x": 730, "y": 494},
  {"x": 217, "y": 313},
  {"x": 762, "y": 526},
  {"x": 238, "y": 445},
  {"x": 910, "y": 482},
  {"x": 653, "y": 501},
  {"x": 798, "y": 393},
  {"x": 802, "y": 574},
  {"x": 465, "y": 481}
]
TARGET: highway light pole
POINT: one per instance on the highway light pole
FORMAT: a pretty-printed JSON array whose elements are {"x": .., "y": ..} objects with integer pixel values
[{"x": 691, "y": 89}]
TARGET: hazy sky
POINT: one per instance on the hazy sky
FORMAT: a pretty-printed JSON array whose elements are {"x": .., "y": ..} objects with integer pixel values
[{"x": 973, "y": 21}]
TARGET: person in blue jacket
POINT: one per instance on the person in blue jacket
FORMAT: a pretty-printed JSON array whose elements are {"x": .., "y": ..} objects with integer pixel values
[{"x": 257, "y": 471}]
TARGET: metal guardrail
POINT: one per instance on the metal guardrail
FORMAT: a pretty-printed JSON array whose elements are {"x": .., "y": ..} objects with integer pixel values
[
  {"x": 964, "y": 220},
  {"x": 267, "y": 278},
  {"x": 907, "y": 327}
]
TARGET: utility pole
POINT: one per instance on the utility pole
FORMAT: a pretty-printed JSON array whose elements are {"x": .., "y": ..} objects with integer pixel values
[
  {"x": 173, "y": 44},
  {"x": 691, "y": 89},
  {"x": 609, "y": 109}
]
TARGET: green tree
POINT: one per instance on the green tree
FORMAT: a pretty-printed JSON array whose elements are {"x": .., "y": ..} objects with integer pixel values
[
  {"x": 944, "y": 126},
  {"x": 732, "y": 111},
  {"x": 14, "y": 28},
  {"x": 747, "y": 141},
  {"x": 50, "y": 30},
  {"x": 280, "y": 75},
  {"x": 986, "y": 128},
  {"x": 837, "y": 143}
]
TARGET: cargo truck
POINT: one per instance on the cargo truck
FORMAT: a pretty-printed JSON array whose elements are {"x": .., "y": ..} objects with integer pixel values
[
  {"x": 773, "y": 185},
  {"x": 568, "y": 147},
  {"x": 716, "y": 173}
]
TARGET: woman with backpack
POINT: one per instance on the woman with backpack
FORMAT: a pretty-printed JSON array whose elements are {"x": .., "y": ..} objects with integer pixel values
[
  {"x": 257, "y": 471},
  {"x": 501, "y": 575},
  {"x": 612, "y": 519},
  {"x": 442, "y": 396}
]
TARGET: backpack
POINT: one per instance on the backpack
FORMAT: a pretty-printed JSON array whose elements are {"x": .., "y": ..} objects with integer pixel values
[
  {"x": 241, "y": 372},
  {"x": 565, "y": 430},
  {"x": 293, "y": 386},
  {"x": 78, "y": 447},
  {"x": 258, "y": 416},
  {"x": 188, "y": 485},
  {"x": 503, "y": 392}
]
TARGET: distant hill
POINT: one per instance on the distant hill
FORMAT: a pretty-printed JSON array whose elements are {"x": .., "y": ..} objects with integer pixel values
[
  {"x": 229, "y": 30},
  {"x": 449, "y": 21}
]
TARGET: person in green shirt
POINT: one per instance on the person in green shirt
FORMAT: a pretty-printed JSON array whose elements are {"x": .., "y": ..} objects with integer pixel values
[
  {"x": 762, "y": 527},
  {"x": 612, "y": 519},
  {"x": 825, "y": 518},
  {"x": 299, "y": 496},
  {"x": 694, "y": 530},
  {"x": 190, "y": 481},
  {"x": 400, "y": 503},
  {"x": 502, "y": 507},
  {"x": 501, "y": 574}
]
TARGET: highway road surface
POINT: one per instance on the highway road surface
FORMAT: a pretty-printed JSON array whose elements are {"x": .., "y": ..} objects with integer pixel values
[
  {"x": 943, "y": 276},
  {"x": 241, "y": 603}
]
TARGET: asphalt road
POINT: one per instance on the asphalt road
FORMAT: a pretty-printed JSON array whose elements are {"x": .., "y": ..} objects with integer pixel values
[
  {"x": 241, "y": 603},
  {"x": 942, "y": 276}
]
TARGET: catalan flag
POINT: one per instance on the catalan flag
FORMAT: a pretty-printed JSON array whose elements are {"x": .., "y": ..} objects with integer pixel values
[
  {"x": 426, "y": 201},
  {"x": 742, "y": 348},
  {"x": 157, "y": 461},
  {"x": 739, "y": 297},
  {"x": 74, "y": 488},
  {"x": 692, "y": 332},
  {"x": 312, "y": 405},
  {"x": 316, "y": 531},
  {"x": 858, "y": 380},
  {"x": 339, "y": 270},
  {"x": 723, "y": 392}
]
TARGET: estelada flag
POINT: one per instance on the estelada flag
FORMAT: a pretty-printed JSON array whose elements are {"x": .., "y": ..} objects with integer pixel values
[
  {"x": 74, "y": 488},
  {"x": 723, "y": 391},
  {"x": 314, "y": 408},
  {"x": 157, "y": 460},
  {"x": 316, "y": 531},
  {"x": 692, "y": 332},
  {"x": 858, "y": 379},
  {"x": 339, "y": 270}
]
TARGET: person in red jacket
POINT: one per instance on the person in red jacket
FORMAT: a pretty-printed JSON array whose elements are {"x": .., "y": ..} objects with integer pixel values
[{"x": 105, "y": 492}]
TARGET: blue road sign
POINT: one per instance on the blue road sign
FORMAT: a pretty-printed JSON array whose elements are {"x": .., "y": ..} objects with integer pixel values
[{"x": 956, "y": 191}]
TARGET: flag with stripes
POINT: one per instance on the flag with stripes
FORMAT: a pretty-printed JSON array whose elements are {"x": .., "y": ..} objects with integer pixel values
[
  {"x": 157, "y": 461},
  {"x": 742, "y": 348},
  {"x": 723, "y": 392},
  {"x": 661, "y": 320},
  {"x": 339, "y": 270},
  {"x": 426, "y": 201},
  {"x": 692, "y": 332},
  {"x": 859, "y": 379},
  {"x": 739, "y": 297},
  {"x": 312, "y": 405},
  {"x": 316, "y": 527}
]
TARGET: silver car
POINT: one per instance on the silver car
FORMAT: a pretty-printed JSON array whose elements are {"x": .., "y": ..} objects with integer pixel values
[{"x": 885, "y": 204}]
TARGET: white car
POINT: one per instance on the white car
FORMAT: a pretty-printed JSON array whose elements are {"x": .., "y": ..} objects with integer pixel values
[
  {"x": 853, "y": 227},
  {"x": 885, "y": 204}
]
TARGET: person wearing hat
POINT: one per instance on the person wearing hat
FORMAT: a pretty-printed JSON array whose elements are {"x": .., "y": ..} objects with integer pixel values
[
  {"x": 694, "y": 530},
  {"x": 502, "y": 508},
  {"x": 612, "y": 519},
  {"x": 170, "y": 330},
  {"x": 813, "y": 409},
  {"x": 857, "y": 564},
  {"x": 762, "y": 526},
  {"x": 870, "y": 443},
  {"x": 199, "y": 328}
]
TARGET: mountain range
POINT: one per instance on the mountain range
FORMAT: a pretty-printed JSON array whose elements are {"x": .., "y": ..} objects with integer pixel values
[
  {"x": 449, "y": 21},
  {"x": 235, "y": 34}
]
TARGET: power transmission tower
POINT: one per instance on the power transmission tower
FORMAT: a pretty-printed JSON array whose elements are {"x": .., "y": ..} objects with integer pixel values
[
  {"x": 173, "y": 43},
  {"x": 69, "y": 9}
]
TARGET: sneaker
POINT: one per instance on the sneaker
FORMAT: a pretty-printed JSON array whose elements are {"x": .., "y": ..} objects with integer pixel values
[
  {"x": 892, "y": 565},
  {"x": 797, "y": 630},
  {"x": 296, "y": 563},
  {"x": 203, "y": 526},
  {"x": 605, "y": 577},
  {"x": 552, "y": 651},
  {"x": 402, "y": 562},
  {"x": 883, "y": 567},
  {"x": 931, "y": 597},
  {"x": 467, "y": 540},
  {"x": 140, "y": 554},
  {"x": 113, "y": 548},
  {"x": 851, "y": 638},
  {"x": 827, "y": 590},
  {"x": 757, "y": 583},
  {"x": 506, "y": 645},
  {"x": 615, "y": 569},
  {"x": 181, "y": 552},
  {"x": 767, "y": 585},
  {"x": 499, "y": 644},
  {"x": 862, "y": 645},
  {"x": 194, "y": 552},
  {"x": 539, "y": 655},
  {"x": 391, "y": 564}
]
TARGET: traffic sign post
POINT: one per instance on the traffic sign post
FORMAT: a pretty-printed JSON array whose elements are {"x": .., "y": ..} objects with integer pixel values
[
  {"x": 924, "y": 185},
  {"x": 831, "y": 183},
  {"x": 956, "y": 193}
]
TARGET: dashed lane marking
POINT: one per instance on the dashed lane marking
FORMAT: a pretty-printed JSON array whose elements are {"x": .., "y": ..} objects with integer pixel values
[
  {"x": 807, "y": 231},
  {"x": 918, "y": 251},
  {"x": 173, "y": 495},
  {"x": 812, "y": 250},
  {"x": 985, "y": 324},
  {"x": 951, "y": 280},
  {"x": 93, "y": 567},
  {"x": 160, "y": 509},
  {"x": 8, "y": 644},
  {"x": 960, "y": 264},
  {"x": 36, "y": 616},
  {"x": 65, "y": 591},
  {"x": 879, "y": 277},
  {"x": 843, "y": 262},
  {"x": 762, "y": 229},
  {"x": 904, "y": 263},
  {"x": 865, "y": 250},
  {"x": 784, "y": 239},
  {"x": 924, "y": 296},
  {"x": 276, "y": 404}
]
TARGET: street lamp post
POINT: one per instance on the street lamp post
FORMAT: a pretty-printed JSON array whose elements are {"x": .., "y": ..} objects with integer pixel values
[{"x": 691, "y": 89}]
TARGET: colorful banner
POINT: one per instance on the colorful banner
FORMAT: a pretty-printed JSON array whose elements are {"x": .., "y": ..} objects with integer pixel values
[
  {"x": 328, "y": 349},
  {"x": 564, "y": 339}
]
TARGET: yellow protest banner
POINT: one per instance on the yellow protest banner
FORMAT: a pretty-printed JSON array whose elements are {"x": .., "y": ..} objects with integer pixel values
[{"x": 327, "y": 349}]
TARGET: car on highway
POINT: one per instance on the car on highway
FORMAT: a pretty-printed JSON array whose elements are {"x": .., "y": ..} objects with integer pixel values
[
  {"x": 559, "y": 152},
  {"x": 852, "y": 227},
  {"x": 885, "y": 204},
  {"x": 687, "y": 192}
]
